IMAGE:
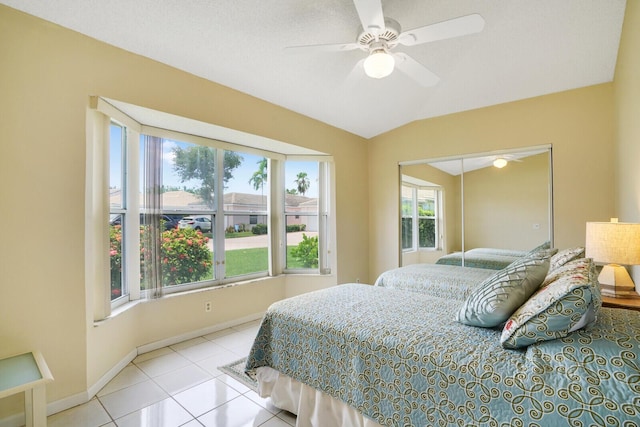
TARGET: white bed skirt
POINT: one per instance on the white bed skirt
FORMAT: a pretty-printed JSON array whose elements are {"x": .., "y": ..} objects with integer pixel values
[{"x": 312, "y": 407}]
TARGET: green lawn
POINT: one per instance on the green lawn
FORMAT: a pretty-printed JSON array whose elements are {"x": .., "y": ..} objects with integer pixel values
[{"x": 246, "y": 261}]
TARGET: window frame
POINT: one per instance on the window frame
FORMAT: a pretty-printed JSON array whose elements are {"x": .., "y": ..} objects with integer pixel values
[
  {"x": 107, "y": 113},
  {"x": 438, "y": 217}
]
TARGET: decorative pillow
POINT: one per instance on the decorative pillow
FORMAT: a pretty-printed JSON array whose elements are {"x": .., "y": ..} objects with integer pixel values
[
  {"x": 498, "y": 296},
  {"x": 564, "y": 256},
  {"x": 545, "y": 245},
  {"x": 567, "y": 304},
  {"x": 580, "y": 265}
]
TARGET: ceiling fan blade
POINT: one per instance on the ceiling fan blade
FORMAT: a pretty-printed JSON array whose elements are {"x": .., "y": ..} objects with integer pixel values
[
  {"x": 371, "y": 16},
  {"x": 455, "y": 27},
  {"x": 339, "y": 47},
  {"x": 415, "y": 70}
]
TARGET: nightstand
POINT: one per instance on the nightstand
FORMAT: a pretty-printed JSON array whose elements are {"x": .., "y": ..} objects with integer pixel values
[{"x": 629, "y": 303}]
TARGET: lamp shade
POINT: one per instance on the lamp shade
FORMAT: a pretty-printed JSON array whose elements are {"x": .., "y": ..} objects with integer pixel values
[
  {"x": 613, "y": 242},
  {"x": 379, "y": 64}
]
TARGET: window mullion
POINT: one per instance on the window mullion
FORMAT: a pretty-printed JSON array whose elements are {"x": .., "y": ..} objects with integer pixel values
[
  {"x": 132, "y": 219},
  {"x": 218, "y": 218}
]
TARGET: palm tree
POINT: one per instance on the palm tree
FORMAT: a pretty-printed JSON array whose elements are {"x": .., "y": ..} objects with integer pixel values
[
  {"x": 302, "y": 182},
  {"x": 259, "y": 177}
]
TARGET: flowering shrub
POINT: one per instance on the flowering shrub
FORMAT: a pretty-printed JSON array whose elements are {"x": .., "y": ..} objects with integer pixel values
[
  {"x": 184, "y": 257},
  {"x": 307, "y": 251},
  {"x": 115, "y": 256}
]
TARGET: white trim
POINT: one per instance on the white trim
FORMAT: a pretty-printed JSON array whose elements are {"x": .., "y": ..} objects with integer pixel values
[
  {"x": 534, "y": 148},
  {"x": 158, "y": 119},
  {"x": 198, "y": 333}
]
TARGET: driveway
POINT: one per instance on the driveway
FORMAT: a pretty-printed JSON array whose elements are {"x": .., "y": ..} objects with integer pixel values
[{"x": 261, "y": 241}]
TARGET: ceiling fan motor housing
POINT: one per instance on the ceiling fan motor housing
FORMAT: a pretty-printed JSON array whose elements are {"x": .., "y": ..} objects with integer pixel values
[{"x": 366, "y": 40}]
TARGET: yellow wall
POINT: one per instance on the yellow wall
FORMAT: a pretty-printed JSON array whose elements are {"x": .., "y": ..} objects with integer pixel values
[
  {"x": 627, "y": 107},
  {"x": 501, "y": 205},
  {"x": 47, "y": 75},
  {"x": 578, "y": 124}
]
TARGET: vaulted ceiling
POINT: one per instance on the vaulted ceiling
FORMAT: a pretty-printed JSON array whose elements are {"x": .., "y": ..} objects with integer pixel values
[{"x": 526, "y": 49}]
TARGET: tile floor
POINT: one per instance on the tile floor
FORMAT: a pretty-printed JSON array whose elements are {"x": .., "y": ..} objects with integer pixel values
[{"x": 180, "y": 385}]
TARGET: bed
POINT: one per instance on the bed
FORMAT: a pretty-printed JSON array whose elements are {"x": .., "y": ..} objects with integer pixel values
[
  {"x": 445, "y": 281},
  {"x": 489, "y": 258},
  {"x": 362, "y": 355}
]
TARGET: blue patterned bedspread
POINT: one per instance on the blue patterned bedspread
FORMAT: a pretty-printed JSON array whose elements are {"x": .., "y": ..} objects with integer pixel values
[
  {"x": 401, "y": 359},
  {"x": 444, "y": 281},
  {"x": 492, "y": 259}
]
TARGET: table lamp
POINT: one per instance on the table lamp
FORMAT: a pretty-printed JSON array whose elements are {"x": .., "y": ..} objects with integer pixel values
[{"x": 615, "y": 244}]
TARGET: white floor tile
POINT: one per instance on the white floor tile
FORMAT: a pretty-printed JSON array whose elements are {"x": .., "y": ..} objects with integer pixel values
[
  {"x": 181, "y": 379},
  {"x": 287, "y": 417},
  {"x": 141, "y": 394},
  {"x": 201, "y": 351},
  {"x": 239, "y": 412},
  {"x": 90, "y": 414},
  {"x": 166, "y": 413},
  {"x": 130, "y": 399},
  {"x": 163, "y": 364},
  {"x": 129, "y": 376},
  {"x": 265, "y": 402},
  {"x": 151, "y": 354},
  {"x": 212, "y": 363},
  {"x": 234, "y": 340},
  {"x": 188, "y": 343},
  {"x": 233, "y": 383},
  {"x": 205, "y": 397},
  {"x": 276, "y": 422}
]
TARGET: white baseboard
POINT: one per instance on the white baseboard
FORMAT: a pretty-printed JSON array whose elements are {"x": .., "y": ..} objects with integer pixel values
[
  {"x": 198, "y": 333},
  {"x": 18, "y": 420}
]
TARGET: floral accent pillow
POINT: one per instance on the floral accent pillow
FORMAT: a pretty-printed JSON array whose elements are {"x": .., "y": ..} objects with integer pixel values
[
  {"x": 581, "y": 265},
  {"x": 568, "y": 303},
  {"x": 564, "y": 256},
  {"x": 498, "y": 296}
]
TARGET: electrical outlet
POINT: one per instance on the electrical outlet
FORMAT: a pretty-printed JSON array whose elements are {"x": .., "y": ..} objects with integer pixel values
[{"x": 207, "y": 306}]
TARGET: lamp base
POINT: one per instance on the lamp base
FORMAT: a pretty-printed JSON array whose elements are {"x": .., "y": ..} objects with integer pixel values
[{"x": 615, "y": 282}]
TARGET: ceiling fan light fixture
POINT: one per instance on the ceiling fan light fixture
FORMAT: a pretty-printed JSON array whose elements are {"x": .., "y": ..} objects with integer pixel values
[
  {"x": 500, "y": 162},
  {"x": 379, "y": 64}
]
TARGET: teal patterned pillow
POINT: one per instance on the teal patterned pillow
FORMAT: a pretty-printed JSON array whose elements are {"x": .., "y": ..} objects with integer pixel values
[
  {"x": 568, "y": 303},
  {"x": 544, "y": 246},
  {"x": 495, "y": 299}
]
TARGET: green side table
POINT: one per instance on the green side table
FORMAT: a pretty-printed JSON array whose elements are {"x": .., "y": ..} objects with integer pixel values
[{"x": 27, "y": 373}]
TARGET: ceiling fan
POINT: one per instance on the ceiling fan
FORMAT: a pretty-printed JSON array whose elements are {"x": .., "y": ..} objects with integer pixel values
[{"x": 379, "y": 36}]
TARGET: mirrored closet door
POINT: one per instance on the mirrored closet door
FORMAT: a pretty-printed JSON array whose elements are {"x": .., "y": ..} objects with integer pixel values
[{"x": 500, "y": 200}]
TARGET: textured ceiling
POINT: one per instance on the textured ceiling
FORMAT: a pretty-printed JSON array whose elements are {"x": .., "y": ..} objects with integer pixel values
[{"x": 527, "y": 48}]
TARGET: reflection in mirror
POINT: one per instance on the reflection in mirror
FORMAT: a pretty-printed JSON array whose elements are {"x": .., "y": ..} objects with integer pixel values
[{"x": 476, "y": 204}]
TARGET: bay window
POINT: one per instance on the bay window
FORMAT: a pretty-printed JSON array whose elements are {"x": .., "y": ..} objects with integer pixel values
[{"x": 188, "y": 211}]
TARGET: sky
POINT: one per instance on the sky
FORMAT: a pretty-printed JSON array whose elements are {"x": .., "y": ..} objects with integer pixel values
[{"x": 241, "y": 175}]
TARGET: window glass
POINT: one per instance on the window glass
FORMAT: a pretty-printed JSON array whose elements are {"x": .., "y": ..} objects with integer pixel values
[
  {"x": 426, "y": 218},
  {"x": 117, "y": 147},
  {"x": 186, "y": 193},
  {"x": 245, "y": 205},
  {"x": 420, "y": 227},
  {"x": 407, "y": 217},
  {"x": 301, "y": 212}
]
